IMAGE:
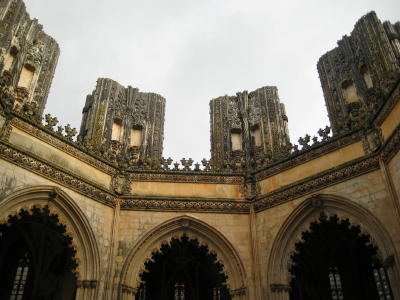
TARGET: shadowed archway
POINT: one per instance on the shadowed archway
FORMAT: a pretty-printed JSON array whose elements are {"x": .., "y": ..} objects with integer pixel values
[
  {"x": 334, "y": 260},
  {"x": 194, "y": 228},
  {"x": 278, "y": 277},
  {"x": 72, "y": 219},
  {"x": 183, "y": 269},
  {"x": 37, "y": 259}
]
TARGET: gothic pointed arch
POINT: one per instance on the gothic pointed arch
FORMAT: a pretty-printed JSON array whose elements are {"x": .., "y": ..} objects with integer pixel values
[
  {"x": 77, "y": 226},
  {"x": 279, "y": 262},
  {"x": 193, "y": 228}
]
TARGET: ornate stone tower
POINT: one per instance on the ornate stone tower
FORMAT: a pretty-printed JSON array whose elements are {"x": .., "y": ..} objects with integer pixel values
[
  {"x": 124, "y": 119},
  {"x": 360, "y": 72},
  {"x": 28, "y": 56},
  {"x": 247, "y": 127}
]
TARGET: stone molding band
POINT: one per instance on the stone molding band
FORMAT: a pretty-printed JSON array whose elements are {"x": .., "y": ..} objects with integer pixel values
[
  {"x": 52, "y": 173},
  {"x": 187, "y": 205},
  {"x": 316, "y": 182}
]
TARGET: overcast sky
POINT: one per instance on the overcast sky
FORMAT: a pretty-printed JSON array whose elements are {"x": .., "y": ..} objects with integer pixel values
[{"x": 191, "y": 51}]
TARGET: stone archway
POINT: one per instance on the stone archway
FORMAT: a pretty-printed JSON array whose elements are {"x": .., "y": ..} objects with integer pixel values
[
  {"x": 37, "y": 257},
  {"x": 183, "y": 269},
  {"x": 76, "y": 226},
  {"x": 279, "y": 262},
  {"x": 175, "y": 228}
]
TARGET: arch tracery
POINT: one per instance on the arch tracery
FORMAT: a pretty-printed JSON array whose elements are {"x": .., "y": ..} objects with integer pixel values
[
  {"x": 175, "y": 228},
  {"x": 279, "y": 262},
  {"x": 76, "y": 226}
]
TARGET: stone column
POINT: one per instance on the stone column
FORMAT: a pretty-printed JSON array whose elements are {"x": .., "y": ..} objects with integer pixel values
[{"x": 280, "y": 291}]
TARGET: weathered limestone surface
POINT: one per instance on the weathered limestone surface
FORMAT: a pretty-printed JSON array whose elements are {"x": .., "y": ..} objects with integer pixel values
[
  {"x": 171, "y": 189},
  {"x": 27, "y": 54}
]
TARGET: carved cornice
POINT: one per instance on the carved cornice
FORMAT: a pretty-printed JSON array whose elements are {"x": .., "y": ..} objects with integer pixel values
[
  {"x": 392, "y": 146},
  {"x": 388, "y": 106},
  {"x": 311, "y": 154},
  {"x": 189, "y": 177},
  {"x": 187, "y": 205},
  {"x": 317, "y": 182},
  {"x": 53, "y": 140},
  {"x": 55, "y": 174}
]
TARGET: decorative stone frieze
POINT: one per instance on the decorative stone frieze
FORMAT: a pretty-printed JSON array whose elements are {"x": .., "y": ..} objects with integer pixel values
[
  {"x": 314, "y": 183},
  {"x": 48, "y": 171},
  {"x": 186, "y": 205}
]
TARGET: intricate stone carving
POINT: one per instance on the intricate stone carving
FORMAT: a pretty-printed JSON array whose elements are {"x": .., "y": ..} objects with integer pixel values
[
  {"x": 316, "y": 182},
  {"x": 54, "y": 174},
  {"x": 257, "y": 120},
  {"x": 137, "y": 120},
  {"x": 26, "y": 46},
  {"x": 56, "y": 141},
  {"x": 121, "y": 183},
  {"x": 372, "y": 140},
  {"x": 299, "y": 157},
  {"x": 188, "y": 177},
  {"x": 358, "y": 74},
  {"x": 186, "y": 205}
]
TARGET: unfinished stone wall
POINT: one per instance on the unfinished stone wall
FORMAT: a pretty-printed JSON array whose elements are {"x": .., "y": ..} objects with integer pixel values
[{"x": 28, "y": 56}]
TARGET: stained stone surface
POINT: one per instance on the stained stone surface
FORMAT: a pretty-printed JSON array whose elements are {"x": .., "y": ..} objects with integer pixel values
[
  {"x": 365, "y": 64},
  {"x": 144, "y": 112},
  {"x": 257, "y": 119},
  {"x": 27, "y": 54}
]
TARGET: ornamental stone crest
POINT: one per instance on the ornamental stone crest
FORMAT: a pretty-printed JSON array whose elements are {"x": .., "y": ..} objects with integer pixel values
[{"x": 121, "y": 184}]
